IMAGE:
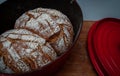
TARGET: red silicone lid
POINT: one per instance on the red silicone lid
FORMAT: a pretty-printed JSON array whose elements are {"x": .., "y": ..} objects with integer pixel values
[{"x": 104, "y": 46}]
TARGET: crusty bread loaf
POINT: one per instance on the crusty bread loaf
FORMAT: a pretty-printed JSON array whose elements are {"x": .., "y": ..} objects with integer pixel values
[
  {"x": 24, "y": 51},
  {"x": 51, "y": 25}
]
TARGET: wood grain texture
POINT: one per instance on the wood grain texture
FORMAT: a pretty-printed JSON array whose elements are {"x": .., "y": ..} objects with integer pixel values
[{"x": 78, "y": 63}]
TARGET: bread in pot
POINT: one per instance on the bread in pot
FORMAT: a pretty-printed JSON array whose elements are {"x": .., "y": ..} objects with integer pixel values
[
  {"x": 39, "y": 37},
  {"x": 50, "y": 24},
  {"x": 23, "y": 51}
]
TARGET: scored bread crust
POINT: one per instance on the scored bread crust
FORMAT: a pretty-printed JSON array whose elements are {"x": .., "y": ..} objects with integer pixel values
[
  {"x": 51, "y": 25},
  {"x": 24, "y": 51},
  {"x": 39, "y": 37}
]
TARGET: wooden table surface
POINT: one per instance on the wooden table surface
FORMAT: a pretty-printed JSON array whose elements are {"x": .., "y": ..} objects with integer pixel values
[{"x": 78, "y": 64}]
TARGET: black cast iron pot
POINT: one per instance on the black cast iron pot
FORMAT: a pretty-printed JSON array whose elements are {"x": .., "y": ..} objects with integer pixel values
[{"x": 12, "y": 9}]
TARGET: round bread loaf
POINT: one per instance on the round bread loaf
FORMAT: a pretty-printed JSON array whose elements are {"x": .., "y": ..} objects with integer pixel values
[
  {"x": 23, "y": 51},
  {"x": 49, "y": 24}
]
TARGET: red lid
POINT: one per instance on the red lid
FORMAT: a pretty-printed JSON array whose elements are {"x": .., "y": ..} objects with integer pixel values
[{"x": 104, "y": 46}]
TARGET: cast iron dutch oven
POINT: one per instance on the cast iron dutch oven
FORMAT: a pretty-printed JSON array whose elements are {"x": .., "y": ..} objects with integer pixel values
[{"x": 12, "y": 9}]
